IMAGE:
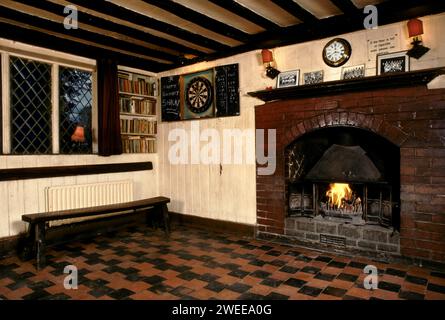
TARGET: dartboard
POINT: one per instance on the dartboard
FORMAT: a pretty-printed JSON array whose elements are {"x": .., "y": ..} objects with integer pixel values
[{"x": 199, "y": 95}]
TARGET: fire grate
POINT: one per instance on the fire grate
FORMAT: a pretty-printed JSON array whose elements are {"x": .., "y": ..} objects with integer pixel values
[{"x": 333, "y": 240}]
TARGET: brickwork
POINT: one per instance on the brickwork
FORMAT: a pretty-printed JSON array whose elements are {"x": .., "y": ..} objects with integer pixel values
[{"x": 412, "y": 118}]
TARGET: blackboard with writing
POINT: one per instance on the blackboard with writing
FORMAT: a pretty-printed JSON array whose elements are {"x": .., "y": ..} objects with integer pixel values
[
  {"x": 170, "y": 98},
  {"x": 227, "y": 90}
]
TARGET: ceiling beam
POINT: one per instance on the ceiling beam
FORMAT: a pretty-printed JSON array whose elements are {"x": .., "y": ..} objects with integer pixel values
[
  {"x": 200, "y": 19},
  {"x": 346, "y": 6},
  {"x": 85, "y": 37},
  {"x": 246, "y": 13},
  {"x": 129, "y": 34},
  {"x": 115, "y": 11},
  {"x": 296, "y": 10},
  {"x": 36, "y": 38}
]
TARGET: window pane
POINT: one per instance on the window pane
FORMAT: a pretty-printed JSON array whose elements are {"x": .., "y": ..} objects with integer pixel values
[
  {"x": 75, "y": 90},
  {"x": 30, "y": 106}
]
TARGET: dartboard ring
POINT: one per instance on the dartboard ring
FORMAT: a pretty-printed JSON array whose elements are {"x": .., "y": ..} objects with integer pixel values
[{"x": 199, "y": 95}]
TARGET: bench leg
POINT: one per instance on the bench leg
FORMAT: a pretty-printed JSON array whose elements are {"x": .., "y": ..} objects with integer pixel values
[
  {"x": 166, "y": 219},
  {"x": 40, "y": 233}
]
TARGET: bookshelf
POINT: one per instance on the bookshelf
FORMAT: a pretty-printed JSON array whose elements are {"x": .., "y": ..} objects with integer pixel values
[{"x": 138, "y": 117}]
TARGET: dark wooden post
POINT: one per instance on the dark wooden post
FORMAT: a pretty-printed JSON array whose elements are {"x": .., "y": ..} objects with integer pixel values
[
  {"x": 166, "y": 219},
  {"x": 40, "y": 243}
]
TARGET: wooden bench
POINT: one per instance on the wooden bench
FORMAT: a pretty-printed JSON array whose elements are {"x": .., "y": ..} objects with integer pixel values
[{"x": 36, "y": 240}]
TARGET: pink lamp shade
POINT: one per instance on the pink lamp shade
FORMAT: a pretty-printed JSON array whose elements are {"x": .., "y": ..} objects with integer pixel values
[
  {"x": 415, "y": 27},
  {"x": 79, "y": 134},
  {"x": 266, "y": 56}
]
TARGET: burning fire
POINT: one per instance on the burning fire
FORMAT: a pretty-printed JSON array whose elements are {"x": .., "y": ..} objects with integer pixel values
[{"x": 338, "y": 194}]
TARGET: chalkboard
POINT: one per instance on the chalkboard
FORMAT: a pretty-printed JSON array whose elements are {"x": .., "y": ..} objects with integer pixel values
[
  {"x": 170, "y": 98},
  {"x": 227, "y": 90}
]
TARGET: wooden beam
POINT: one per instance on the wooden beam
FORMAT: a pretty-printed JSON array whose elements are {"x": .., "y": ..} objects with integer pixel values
[
  {"x": 128, "y": 33},
  {"x": 68, "y": 171},
  {"x": 346, "y": 6},
  {"x": 296, "y": 10},
  {"x": 87, "y": 37},
  {"x": 45, "y": 40},
  {"x": 246, "y": 13},
  {"x": 200, "y": 19},
  {"x": 119, "y": 12}
]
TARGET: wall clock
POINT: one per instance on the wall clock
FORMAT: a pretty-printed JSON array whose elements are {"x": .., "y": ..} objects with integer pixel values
[
  {"x": 199, "y": 95},
  {"x": 337, "y": 52}
]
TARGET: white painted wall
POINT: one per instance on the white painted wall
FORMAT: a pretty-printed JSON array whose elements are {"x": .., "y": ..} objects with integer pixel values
[{"x": 201, "y": 190}]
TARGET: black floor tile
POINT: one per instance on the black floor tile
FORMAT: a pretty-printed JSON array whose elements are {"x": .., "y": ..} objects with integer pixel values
[
  {"x": 347, "y": 277},
  {"x": 239, "y": 274},
  {"x": 310, "y": 291},
  {"x": 438, "y": 274},
  {"x": 289, "y": 269},
  {"x": 357, "y": 265},
  {"x": 325, "y": 276},
  {"x": 297, "y": 283},
  {"x": 207, "y": 277},
  {"x": 323, "y": 259},
  {"x": 311, "y": 270},
  {"x": 239, "y": 287},
  {"x": 153, "y": 280},
  {"x": 270, "y": 282},
  {"x": 336, "y": 292},
  {"x": 251, "y": 296},
  {"x": 121, "y": 294},
  {"x": 436, "y": 288},
  {"x": 337, "y": 264},
  {"x": 215, "y": 286},
  {"x": 383, "y": 285},
  {"x": 416, "y": 280},
  {"x": 395, "y": 272},
  {"x": 411, "y": 295},
  {"x": 260, "y": 274},
  {"x": 188, "y": 275},
  {"x": 276, "y": 296}
]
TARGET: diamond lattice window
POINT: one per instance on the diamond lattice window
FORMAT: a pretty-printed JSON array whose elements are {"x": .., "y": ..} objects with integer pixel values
[
  {"x": 30, "y": 83},
  {"x": 75, "y": 90}
]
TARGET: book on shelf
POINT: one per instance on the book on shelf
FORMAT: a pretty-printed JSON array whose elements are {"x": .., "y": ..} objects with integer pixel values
[
  {"x": 138, "y": 126},
  {"x": 138, "y": 145},
  {"x": 139, "y": 86},
  {"x": 144, "y": 106}
]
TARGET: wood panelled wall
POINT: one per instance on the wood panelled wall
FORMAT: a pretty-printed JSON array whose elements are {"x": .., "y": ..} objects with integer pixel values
[{"x": 27, "y": 196}]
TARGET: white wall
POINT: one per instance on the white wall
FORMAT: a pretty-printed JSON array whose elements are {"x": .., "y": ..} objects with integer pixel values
[{"x": 201, "y": 190}]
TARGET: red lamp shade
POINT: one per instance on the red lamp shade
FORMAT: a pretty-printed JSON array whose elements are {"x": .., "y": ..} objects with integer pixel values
[
  {"x": 79, "y": 134},
  {"x": 415, "y": 27},
  {"x": 267, "y": 56}
]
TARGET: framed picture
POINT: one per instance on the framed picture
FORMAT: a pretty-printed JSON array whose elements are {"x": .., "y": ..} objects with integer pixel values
[
  {"x": 392, "y": 62},
  {"x": 288, "y": 79},
  {"x": 354, "y": 72},
  {"x": 313, "y": 77}
]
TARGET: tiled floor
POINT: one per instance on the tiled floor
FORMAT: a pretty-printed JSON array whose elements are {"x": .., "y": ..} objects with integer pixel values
[{"x": 140, "y": 263}]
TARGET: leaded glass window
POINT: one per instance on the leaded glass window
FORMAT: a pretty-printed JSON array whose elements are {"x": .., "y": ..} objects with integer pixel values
[
  {"x": 30, "y": 85},
  {"x": 75, "y": 104}
]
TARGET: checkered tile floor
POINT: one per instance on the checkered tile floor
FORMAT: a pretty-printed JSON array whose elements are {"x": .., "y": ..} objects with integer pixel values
[{"x": 139, "y": 263}]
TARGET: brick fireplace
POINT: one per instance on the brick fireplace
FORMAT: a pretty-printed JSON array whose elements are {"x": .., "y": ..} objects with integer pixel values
[{"x": 412, "y": 119}]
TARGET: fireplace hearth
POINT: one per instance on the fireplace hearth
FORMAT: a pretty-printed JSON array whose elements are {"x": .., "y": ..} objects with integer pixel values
[{"x": 360, "y": 166}]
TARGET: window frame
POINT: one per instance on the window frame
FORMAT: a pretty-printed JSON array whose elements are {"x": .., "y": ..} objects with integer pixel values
[{"x": 57, "y": 61}]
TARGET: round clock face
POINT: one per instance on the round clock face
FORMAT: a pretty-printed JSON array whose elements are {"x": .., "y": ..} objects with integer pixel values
[
  {"x": 199, "y": 95},
  {"x": 337, "y": 52}
]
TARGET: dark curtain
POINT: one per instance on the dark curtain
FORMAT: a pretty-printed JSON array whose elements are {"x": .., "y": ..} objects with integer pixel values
[{"x": 108, "y": 107}]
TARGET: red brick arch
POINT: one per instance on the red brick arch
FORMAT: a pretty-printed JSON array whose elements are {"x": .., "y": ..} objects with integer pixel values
[{"x": 337, "y": 118}]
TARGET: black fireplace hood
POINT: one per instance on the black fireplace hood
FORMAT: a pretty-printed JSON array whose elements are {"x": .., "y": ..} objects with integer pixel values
[{"x": 342, "y": 163}]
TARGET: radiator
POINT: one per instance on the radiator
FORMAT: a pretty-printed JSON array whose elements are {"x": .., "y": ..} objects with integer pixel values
[{"x": 86, "y": 195}]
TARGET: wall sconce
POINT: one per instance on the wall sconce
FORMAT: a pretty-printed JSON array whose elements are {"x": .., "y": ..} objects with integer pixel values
[
  {"x": 415, "y": 30},
  {"x": 267, "y": 57},
  {"x": 79, "y": 134}
]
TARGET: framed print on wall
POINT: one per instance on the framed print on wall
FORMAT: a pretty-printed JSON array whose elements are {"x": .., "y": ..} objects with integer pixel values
[
  {"x": 313, "y": 77},
  {"x": 392, "y": 62},
  {"x": 354, "y": 72},
  {"x": 198, "y": 95},
  {"x": 288, "y": 79}
]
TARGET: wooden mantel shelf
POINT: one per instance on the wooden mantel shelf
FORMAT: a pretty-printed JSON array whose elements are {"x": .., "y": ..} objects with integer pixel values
[{"x": 387, "y": 81}]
